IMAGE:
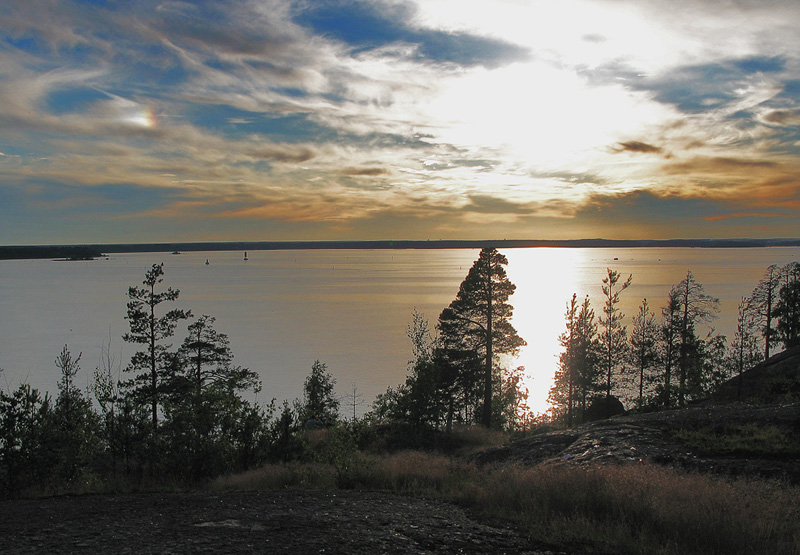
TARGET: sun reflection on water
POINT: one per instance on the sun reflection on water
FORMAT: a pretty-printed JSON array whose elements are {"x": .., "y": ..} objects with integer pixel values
[{"x": 545, "y": 280}]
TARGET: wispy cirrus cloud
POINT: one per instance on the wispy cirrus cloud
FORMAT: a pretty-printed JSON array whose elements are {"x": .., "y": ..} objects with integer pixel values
[{"x": 436, "y": 118}]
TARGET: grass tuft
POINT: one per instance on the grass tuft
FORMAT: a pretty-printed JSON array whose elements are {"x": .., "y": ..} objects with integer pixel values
[
  {"x": 279, "y": 476},
  {"x": 621, "y": 509},
  {"x": 647, "y": 509}
]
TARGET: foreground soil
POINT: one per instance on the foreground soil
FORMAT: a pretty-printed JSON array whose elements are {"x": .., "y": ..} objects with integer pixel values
[{"x": 296, "y": 522}]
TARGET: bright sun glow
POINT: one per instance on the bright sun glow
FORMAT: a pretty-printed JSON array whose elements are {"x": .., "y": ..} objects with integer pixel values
[{"x": 544, "y": 117}]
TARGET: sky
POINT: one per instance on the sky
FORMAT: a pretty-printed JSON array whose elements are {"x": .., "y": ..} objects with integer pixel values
[{"x": 161, "y": 120}]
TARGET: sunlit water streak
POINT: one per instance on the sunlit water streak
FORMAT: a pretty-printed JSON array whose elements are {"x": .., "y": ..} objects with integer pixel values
[
  {"x": 284, "y": 309},
  {"x": 547, "y": 278}
]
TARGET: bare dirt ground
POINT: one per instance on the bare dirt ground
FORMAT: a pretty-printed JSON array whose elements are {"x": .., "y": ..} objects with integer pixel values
[
  {"x": 290, "y": 522},
  {"x": 352, "y": 522}
]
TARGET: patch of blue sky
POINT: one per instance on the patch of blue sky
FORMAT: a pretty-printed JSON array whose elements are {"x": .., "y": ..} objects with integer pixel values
[
  {"x": 72, "y": 100},
  {"x": 692, "y": 99},
  {"x": 761, "y": 64},
  {"x": 150, "y": 76},
  {"x": 79, "y": 54},
  {"x": 786, "y": 140},
  {"x": 113, "y": 198},
  {"x": 387, "y": 140},
  {"x": 27, "y": 44},
  {"x": 359, "y": 24},
  {"x": 236, "y": 123},
  {"x": 295, "y": 128},
  {"x": 11, "y": 149},
  {"x": 74, "y": 55},
  {"x": 465, "y": 49},
  {"x": 791, "y": 91},
  {"x": 292, "y": 92},
  {"x": 231, "y": 121},
  {"x": 364, "y": 26},
  {"x": 261, "y": 166},
  {"x": 94, "y": 3},
  {"x": 152, "y": 64},
  {"x": 9, "y": 196},
  {"x": 12, "y": 220},
  {"x": 698, "y": 88},
  {"x": 221, "y": 65}
]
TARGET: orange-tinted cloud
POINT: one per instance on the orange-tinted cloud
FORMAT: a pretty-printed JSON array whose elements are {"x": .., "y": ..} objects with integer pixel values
[
  {"x": 739, "y": 215},
  {"x": 715, "y": 165}
]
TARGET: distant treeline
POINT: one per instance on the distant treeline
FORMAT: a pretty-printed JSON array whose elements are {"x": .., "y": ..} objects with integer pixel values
[
  {"x": 68, "y": 252},
  {"x": 95, "y": 250}
]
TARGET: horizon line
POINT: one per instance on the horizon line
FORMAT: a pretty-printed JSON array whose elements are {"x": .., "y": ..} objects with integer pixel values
[{"x": 6, "y": 251}]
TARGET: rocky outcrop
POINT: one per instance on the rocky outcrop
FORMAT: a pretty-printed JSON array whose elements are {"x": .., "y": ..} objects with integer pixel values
[
  {"x": 651, "y": 437},
  {"x": 766, "y": 398},
  {"x": 776, "y": 380}
]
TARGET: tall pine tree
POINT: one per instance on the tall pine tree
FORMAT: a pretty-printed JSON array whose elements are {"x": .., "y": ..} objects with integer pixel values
[
  {"x": 643, "y": 352},
  {"x": 479, "y": 320},
  {"x": 612, "y": 338},
  {"x": 578, "y": 372},
  {"x": 694, "y": 307},
  {"x": 787, "y": 309},
  {"x": 763, "y": 302},
  {"x": 153, "y": 363}
]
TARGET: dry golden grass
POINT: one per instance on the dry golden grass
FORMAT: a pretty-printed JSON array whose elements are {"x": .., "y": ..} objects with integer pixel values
[
  {"x": 622, "y": 509},
  {"x": 279, "y": 476},
  {"x": 476, "y": 438},
  {"x": 647, "y": 509},
  {"x": 416, "y": 472}
]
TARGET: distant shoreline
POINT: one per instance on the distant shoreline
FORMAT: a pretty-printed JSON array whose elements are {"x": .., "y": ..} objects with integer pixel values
[{"x": 90, "y": 251}]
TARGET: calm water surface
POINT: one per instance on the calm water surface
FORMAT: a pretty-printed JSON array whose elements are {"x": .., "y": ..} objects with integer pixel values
[{"x": 348, "y": 308}]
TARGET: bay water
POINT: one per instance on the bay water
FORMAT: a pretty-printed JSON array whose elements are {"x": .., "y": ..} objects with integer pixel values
[{"x": 350, "y": 309}]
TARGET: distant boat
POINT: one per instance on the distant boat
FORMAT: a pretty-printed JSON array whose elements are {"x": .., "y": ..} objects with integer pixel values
[
  {"x": 245, "y": 255},
  {"x": 206, "y": 261}
]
